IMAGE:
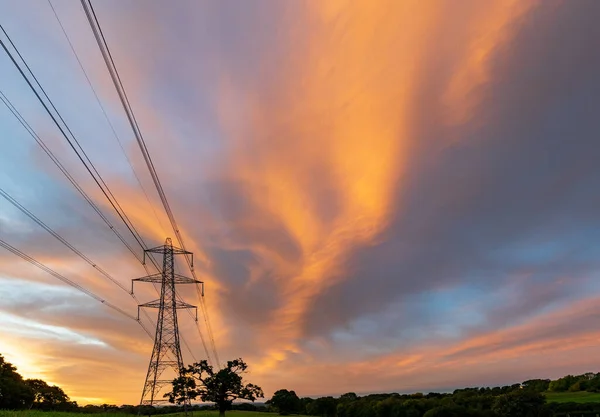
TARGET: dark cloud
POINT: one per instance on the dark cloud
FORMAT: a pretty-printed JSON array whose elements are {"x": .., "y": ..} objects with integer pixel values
[{"x": 520, "y": 175}]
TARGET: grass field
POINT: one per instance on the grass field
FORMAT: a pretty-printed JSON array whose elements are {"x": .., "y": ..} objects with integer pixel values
[
  {"x": 30, "y": 413},
  {"x": 573, "y": 397}
]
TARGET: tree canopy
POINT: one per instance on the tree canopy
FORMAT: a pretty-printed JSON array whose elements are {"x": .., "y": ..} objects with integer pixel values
[
  {"x": 49, "y": 397},
  {"x": 222, "y": 387},
  {"x": 17, "y": 393},
  {"x": 286, "y": 402}
]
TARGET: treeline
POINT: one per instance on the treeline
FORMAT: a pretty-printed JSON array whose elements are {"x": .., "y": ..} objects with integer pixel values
[
  {"x": 17, "y": 393},
  {"x": 519, "y": 400},
  {"x": 163, "y": 409},
  {"x": 586, "y": 382},
  {"x": 469, "y": 402}
]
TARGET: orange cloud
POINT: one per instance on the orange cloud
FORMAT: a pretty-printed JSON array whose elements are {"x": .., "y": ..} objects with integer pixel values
[
  {"x": 335, "y": 126},
  {"x": 492, "y": 26}
]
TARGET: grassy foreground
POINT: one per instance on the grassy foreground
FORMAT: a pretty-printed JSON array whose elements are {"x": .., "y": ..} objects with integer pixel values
[
  {"x": 33, "y": 413},
  {"x": 573, "y": 397}
]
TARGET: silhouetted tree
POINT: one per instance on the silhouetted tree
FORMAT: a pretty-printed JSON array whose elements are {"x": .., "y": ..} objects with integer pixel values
[
  {"x": 348, "y": 397},
  {"x": 46, "y": 397},
  {"x": 221, "y": 387},
  {"x": 304, "y": 403},
  {"x": 286, "y": 402},
  {"x": 521, "y": 403},
  {"x": 562, "y": 384},
  {"x": 324, "y": 406},
  {"x": 537, "y": 385},
  {"x": 15, "y": 394}
]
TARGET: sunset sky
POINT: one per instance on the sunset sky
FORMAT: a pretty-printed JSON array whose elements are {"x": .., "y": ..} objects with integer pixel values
[{"x": 381, "y": 196}]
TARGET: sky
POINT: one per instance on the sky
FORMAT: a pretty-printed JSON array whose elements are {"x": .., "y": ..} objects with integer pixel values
[{"x": 389, "y": 196}]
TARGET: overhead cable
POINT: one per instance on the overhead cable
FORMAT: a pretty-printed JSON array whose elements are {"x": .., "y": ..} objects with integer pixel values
[
  {"x": 67, "y": 281},
  {"x": 110, "y": 64},
  {"x": 112, "y": 127},
  {"x": 73, "y": 142}
]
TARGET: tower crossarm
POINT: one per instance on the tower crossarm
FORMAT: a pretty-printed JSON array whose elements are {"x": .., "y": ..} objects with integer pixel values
[
  {"x": 173, "y": 250},
  {"x": 158, "y": 277},
  {"x": 178, "y": 305},
  {"x": 157, "y": 304}
]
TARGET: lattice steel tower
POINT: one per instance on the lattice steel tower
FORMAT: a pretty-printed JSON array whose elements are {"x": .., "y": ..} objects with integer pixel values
[{"x": 166, "y": 355}]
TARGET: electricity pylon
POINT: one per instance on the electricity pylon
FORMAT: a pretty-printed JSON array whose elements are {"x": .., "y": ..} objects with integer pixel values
[{"x": 166, "y": 354}]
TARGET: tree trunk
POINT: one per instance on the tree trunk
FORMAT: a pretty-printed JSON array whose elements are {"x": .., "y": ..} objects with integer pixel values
[
  {"x": 222, "y": 403},
  {"x": 222, "y": 409}
]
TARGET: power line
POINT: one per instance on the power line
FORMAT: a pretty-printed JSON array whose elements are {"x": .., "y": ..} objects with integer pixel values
[
  {"x": 80, "y": 154},
  {"x": 72, "y": 141},
  {"x": 67, "y": 281},
  {"x": 24, "y": 210},
  {"x": 110, "y": 64},
  {"x": 112, "y": 127},
  {"x": 56, "y": 235},
  {"x": 29, "y": 214},
  {"x": 113, "y": 130},
  {"x": 62, "y": 169}
]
